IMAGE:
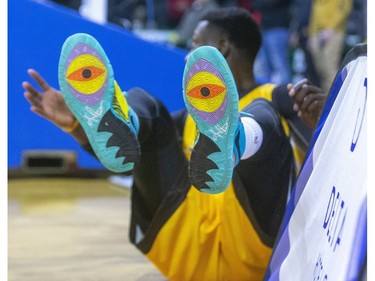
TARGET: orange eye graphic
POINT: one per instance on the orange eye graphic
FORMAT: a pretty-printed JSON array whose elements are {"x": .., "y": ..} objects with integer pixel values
[
  {"x": 205, "y": 92},
  {"x": 86, "y": 73}
]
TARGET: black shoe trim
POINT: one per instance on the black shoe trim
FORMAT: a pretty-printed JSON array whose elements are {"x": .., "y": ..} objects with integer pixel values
[
  {"x": 122, "y": 137},
  {"x": 200, "y": 163}
]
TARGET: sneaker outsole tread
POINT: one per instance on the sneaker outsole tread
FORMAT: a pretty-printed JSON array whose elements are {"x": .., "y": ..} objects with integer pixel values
[
  {"x": 87, "y": 83},
  {"x": 211, "y": 98}
]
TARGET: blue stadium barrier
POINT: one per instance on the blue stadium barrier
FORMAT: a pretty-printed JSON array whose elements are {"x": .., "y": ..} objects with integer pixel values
[{"x": 36, "y": 32}]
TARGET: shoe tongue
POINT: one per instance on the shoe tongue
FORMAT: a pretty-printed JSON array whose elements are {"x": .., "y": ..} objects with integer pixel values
[{"x": 119, "y": 104}]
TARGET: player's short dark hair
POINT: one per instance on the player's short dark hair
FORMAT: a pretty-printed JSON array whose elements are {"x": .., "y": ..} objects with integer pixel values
[{"x": 240, "y": 27}]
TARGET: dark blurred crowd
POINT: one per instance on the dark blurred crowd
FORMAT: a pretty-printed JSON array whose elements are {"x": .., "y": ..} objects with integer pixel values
[{"x": 301, "y": 38}]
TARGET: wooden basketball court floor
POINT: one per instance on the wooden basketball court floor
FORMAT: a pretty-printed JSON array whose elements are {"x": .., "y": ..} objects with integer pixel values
[{"x": 72, "y": 229}]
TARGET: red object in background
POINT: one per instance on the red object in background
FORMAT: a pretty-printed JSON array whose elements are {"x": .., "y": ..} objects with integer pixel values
[{"x": 177, "y": 7}]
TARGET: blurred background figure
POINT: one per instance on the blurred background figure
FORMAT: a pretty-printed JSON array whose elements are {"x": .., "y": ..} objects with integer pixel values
[
  {"x": 176, "y": 10},
  {"x": 190, "y": 19},
  {"x": 327, "y": 32},
  {"x": 73, "y": 4},
  {"x": 139, "y": 14},
  {"x": 356, "y": 25},
  {"x": 272, "y": 63},
  {"x": 127, "y": 13},
  {"x": 302, "y": 62}
]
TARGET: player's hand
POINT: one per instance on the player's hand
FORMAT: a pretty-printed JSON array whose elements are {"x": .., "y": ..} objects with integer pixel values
[
  {"x": 308, "y": 101},
  {"x": 48, "y": 102}
]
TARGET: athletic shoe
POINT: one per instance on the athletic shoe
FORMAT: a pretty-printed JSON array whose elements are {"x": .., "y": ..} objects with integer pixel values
[
  {"x": 211, "y": 98},
  {"x": 87, "y": 83}
]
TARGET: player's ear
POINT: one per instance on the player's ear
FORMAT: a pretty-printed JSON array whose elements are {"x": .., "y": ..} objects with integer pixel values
[{"x": 224, "y": 46}]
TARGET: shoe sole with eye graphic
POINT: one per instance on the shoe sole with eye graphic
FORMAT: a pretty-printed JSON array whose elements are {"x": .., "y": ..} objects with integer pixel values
[
  {"x": 211, "y": 98},
  {"x": 87, "y": 83}
]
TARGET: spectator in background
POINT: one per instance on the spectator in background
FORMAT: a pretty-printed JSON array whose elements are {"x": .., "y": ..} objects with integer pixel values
[
  {"x": 139, "y": 14},
  {"x": 356, "y": 32},
  {"x": 190, "y": 20},
  {"x": 298, "y": 35},
  {"x": 73, "y": 4},
  {"x": 273, "y": 64},
  {"x": 176, "y": 10},
  {"x": 327, "y": 31},
  {"x": 123, "y": 12}
]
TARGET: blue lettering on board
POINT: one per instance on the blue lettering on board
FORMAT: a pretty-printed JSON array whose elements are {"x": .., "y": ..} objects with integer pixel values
[
  {"x": 334, "y": 220},
  {"x": 319, "y": 270},
  {"x": 359, "y": 122}
]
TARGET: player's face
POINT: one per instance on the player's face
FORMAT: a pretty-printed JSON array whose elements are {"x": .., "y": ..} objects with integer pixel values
[{"x": 204, "y": 35}]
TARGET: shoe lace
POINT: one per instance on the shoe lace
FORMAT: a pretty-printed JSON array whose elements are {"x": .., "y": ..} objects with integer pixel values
[{"x": 93, "y": 116}]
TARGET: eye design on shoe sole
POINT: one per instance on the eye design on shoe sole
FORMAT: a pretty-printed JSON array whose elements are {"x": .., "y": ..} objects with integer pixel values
[
  {"x": 86, "y": 73},
  {"x": 206, "y": 92}
]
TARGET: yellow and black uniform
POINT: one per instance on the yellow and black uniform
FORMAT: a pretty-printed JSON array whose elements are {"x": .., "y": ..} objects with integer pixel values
[{"x": 190, "y": 235}]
